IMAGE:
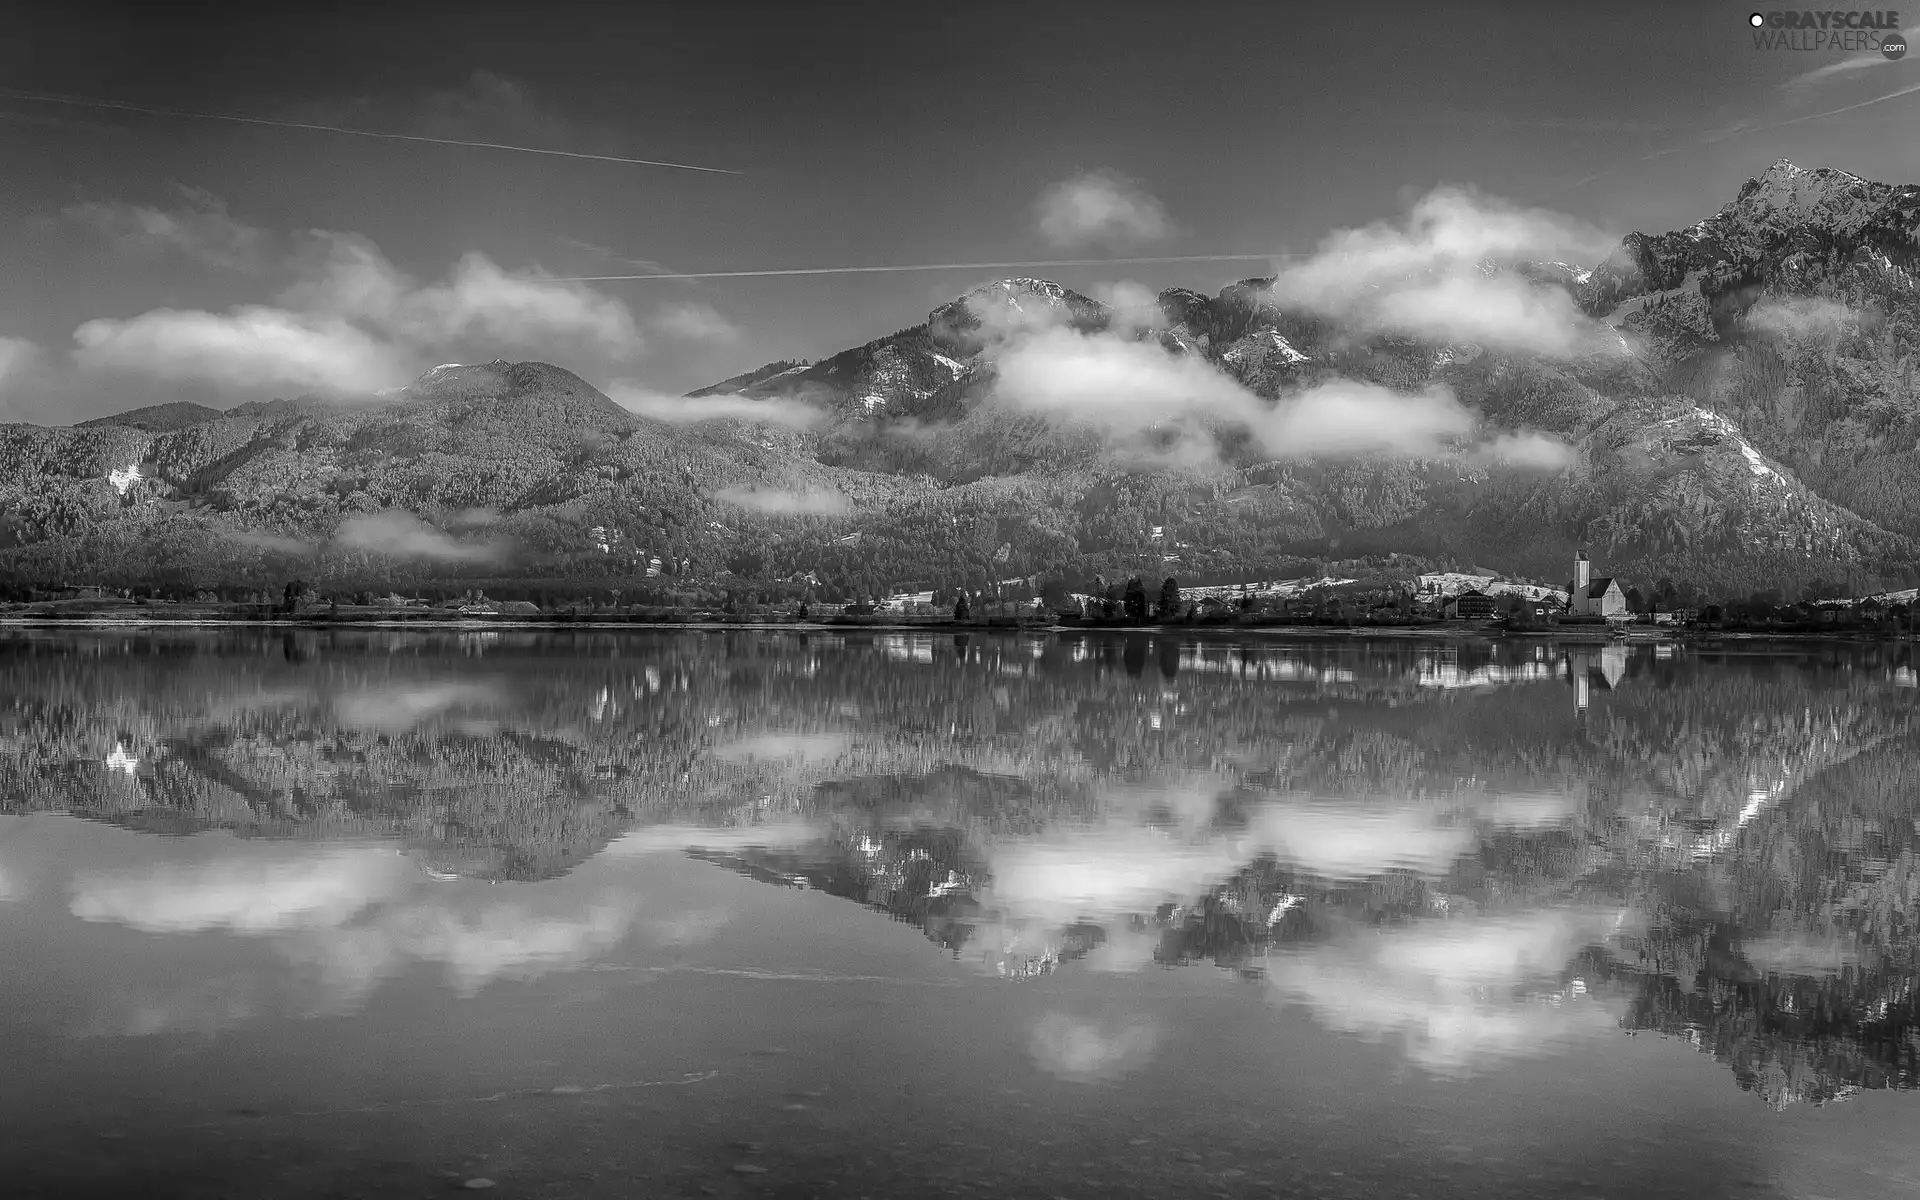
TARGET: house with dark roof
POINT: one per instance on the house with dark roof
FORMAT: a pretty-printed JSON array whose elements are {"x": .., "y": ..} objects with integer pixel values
[
  {"x": 1591, "y": 596},
  {"x": 1471, "y": 606}
]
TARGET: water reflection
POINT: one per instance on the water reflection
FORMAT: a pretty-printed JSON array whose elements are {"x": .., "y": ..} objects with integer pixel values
[{"x": 1470, "y": 853}]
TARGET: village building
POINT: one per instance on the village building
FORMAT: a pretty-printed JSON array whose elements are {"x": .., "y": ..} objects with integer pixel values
[
  {"x": 1471, "y": 606},
  {"x": 1588, "y": 596}
]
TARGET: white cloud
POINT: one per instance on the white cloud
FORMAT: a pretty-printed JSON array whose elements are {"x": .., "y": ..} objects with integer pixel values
[
  {"x": 1527, "y": 451},
  {"x": 1088, "y": 1051},
  {"x": 1352, "y": 841},
  {"x": 244, "y": 893},
  {"x": 693, "y": 322},
  {"x": 403, "y": 535},
  {"x": 1343, "y": 417},
  {"x": 199, "y": 227},
  {"x": 785, "y": 747},
  {"x": 347, "y": 276},
  {"x": 1103, "y": 208},
  {"x": 397, "y": 708},
  {"x": 481, "y": 302},
  {"x": 1102, "y": 874},
  {"x": 509, "y": 940},
  {"x": 1809, "y": 317},
  {"x": 824, "y": 502},
  {"x": 1425, "y": 275},
  {"x": 1454, "y": 992},
  {"x": 689, "y": 410},
  {"x": 351, "y": 322},
  {"x": 250, "y": 347},
  {"x": 1135, "y": 306},
  {"x": 1130, "y": 388}
]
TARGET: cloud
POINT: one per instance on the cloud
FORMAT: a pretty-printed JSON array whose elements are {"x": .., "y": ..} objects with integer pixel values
[
  {"x": 250, "y": 892},
  {"x": 1526, "y": 451},
  {"x": 346, "y": 275},
  {"x": 694, "y": 322},
  {"x": 821, "y": 502},
  {"x": 1808, "y": 317},
  {"x": 351, "y": 323},
  {"x": 1100, "y": 207},
  {"x": 199, "y": 227},
  {"x": 272, "y": 543},
  {"x": 1087, "y": 1051},
  {"x": 1104, "y": 874},
  {"x": 1135, "y": 306},
  {"x": 509, "y": 940},
  {"x": 1132, "y": 388},
  {"x": 400, "y": 707},
  {"x": 250, "y": 347},
  {"x": 786, "y": 747},
  {"x": 688, "y": 410},
  {"x": 1454, "y": 992},
  {"x": 479, "y": 301},
  {"x": 1428, "y": 275},
  {"x": 1350, "y": 842},
  {"x": 403, "y": 535}
]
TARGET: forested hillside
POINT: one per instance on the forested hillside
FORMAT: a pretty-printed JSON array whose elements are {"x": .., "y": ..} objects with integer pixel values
[{"x": 1738, "y": 412}]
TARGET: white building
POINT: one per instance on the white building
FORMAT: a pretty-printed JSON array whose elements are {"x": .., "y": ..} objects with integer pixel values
[{"x": 1588, "y": 596}]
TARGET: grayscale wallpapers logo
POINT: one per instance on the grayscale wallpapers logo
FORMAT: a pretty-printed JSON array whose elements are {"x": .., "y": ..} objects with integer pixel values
[{"x": 1831, "y": 31}]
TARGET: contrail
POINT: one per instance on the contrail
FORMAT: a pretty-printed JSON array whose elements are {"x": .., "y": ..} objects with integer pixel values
[
  {"x": 367, "y": 133},
  {"x": 1738, "y": 131},
  {"x": 962, "y": 266}
]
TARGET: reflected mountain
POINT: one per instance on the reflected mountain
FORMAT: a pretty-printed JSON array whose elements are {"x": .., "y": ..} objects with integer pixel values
[{"x": 1473, "y": 851}]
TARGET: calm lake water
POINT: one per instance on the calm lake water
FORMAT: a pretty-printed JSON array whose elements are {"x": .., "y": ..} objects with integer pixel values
[{"x": 771, "y": 914}]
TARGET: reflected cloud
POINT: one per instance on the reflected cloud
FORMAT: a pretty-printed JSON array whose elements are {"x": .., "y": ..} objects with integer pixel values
[
  {"x": 785, "y": 747},
  {"x": 1103, "y": 874},
  {"x": 1083, "y": 1051},
  {"x": 1352, "y": 841},
  {"x": 399, "y": 707},
  {"x": 261, "y": 893},
  {"x": 511, "y": 940},
  {"x": 1455, "y": 992}
]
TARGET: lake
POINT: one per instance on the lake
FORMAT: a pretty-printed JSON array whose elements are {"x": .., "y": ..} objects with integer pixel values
[{"x": 881, "y": 914}]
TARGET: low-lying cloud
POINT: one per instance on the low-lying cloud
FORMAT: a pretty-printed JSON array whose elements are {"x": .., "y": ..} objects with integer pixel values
[
  {"x": 692, "y": 410},
  {"x": 814, "y": 502},
  {"x": 403, "y": 535},
  {"x": 250, "y": 347},
  {"x": 1103, "y": 208},
  {"x": 1808, "y": 317},
  {"x": 1132, "y": 388},
  {"x": 1427, "y": 275}
]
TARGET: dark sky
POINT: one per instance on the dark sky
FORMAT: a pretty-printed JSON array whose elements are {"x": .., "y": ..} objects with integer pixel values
[{"x": 866, "y": 135}]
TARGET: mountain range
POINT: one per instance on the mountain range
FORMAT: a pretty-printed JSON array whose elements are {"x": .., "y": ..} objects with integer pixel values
[{"x": 1739, "y": 413}]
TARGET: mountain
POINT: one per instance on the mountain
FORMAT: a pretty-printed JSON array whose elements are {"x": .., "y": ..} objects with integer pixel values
[
  {"x": 159, "y": 418},
  {"x": 1742, "y": 416}
]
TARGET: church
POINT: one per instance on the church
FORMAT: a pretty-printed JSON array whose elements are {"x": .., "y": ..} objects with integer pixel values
[{"x": 1591, "y": 597}]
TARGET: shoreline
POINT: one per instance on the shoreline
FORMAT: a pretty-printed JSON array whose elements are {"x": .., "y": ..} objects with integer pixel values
[{"x": 484, "y": 624}]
